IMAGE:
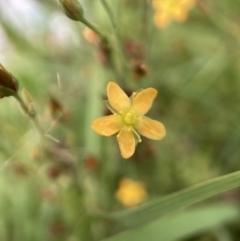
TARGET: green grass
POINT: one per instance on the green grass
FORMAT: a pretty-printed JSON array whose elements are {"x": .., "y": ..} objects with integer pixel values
[{"x": 51, "y": 191}]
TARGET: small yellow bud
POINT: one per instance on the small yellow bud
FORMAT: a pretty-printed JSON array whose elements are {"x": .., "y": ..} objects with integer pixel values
[
  {"x": 73, "y": 9},
  {"x": 8, "y": 83}
]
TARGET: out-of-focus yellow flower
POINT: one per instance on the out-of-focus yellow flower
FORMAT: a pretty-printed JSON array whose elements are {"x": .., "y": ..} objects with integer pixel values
[
  {"x": 169, "y": 10},
  {"x": 128, "y": 118},
  {"x": 131, "y": 193}
]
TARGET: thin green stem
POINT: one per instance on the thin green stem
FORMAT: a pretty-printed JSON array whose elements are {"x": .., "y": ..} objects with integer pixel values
[
  {"x": 104, "y": 40},
  {"x": 34, "y": 120},
  {"x": 32, "y": 116},
  {"x": 110, "y": 14},
  {"x": 122, "y": 67},
  {"x": 95, "y": 29}
]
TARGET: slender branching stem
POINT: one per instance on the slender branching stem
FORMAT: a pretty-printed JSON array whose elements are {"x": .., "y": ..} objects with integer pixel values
[
  {"x": 123, "y": 67},
  {"x": 32, "y": 116},
  {"x": 95, "y": 29}
]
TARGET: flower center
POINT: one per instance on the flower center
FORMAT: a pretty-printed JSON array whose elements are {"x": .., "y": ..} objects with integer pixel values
[{"x": 130, "y": 118}]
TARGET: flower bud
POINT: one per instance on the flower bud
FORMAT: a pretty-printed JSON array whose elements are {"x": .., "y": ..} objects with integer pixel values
[
  {"x": 55, "y": 107},
  {"x": 139, "y": 69},
  {"x": 73, "y": 9},
  {"x": 8, "y": 83}
]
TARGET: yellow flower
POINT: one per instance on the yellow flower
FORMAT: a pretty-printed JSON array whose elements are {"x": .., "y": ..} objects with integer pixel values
[
  {"x": 168, "y": 10},
  {"x": 131, "y": 193},
  {"x": 128, "y": 118}
]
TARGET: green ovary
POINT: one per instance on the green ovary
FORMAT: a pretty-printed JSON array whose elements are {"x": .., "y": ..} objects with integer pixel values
[{"x": 130, "y": 118}]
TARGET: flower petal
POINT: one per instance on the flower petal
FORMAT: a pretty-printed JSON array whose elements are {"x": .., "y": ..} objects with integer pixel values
[
  {"x": 126, "y": 142},
  {"x": 188, "y": 4},
  {"x": 117, "y": 97},
  {"x": 152, "y": 129},
  {"x": 162, "y": 20},
  {"x": 107, "y": 125},
  {"x": 180, "y": 15},
  {"x": 143, "y": 101}
]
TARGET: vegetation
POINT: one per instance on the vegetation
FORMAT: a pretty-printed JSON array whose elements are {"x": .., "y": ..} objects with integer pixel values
[{"x": 62, "y": 181}]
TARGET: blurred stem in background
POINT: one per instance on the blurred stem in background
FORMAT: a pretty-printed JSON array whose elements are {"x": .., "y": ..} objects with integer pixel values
[
  {"x": 123, "y": 72},
  {"x": 31, "y": 114},
  {"x": 74, "y": 11}
]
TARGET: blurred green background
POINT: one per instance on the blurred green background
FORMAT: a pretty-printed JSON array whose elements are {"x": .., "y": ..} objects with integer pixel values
[{"x": 68, "y": 190}]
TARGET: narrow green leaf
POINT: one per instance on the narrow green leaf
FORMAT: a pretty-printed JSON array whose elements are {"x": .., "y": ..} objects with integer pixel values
[
  {"x": 162, "y": 206},
  {"x": 181, "y": 225}
]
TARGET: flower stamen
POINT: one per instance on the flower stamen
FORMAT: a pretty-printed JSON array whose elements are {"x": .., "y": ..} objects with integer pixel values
[
  {"x": 138, "y": 136},
  {"x": 119, "y": 133}
]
